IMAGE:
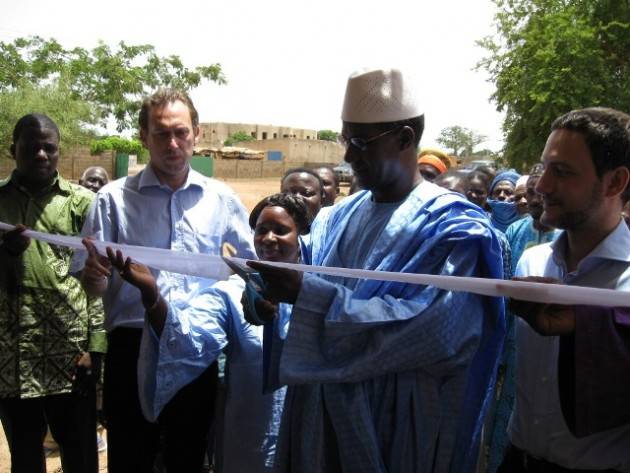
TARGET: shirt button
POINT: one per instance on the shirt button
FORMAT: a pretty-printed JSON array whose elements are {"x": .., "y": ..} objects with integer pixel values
[
  {"x": 536, "y": 421},
  {"x": 544, "y": 379}
]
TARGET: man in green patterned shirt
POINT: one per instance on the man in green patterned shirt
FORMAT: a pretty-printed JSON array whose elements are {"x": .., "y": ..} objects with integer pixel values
[{"x": 51, "y": 333}]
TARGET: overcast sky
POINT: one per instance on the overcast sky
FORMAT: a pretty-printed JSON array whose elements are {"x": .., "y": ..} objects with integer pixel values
[{"x": 287, "y": 61}]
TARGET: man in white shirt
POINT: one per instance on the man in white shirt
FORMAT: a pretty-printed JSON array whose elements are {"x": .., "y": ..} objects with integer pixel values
[{"x": 585, "y": 181}]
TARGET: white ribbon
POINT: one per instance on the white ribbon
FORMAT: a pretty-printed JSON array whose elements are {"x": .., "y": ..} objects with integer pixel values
[{"x": 213, "y": 267}]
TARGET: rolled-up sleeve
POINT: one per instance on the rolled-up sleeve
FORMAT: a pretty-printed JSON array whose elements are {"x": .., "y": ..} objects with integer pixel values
[{"x": 194, "y": 334}]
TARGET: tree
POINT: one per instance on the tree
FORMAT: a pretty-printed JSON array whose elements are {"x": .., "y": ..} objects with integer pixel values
[
  {"x": 72, "y": 116},
  {"x": 237, "y": 137},
  {"x": 552, "y": 56},
  {"x": 462, "y": 141},
  {"x": 327, "y": 135},
  {"x": 112, "y": 81}
]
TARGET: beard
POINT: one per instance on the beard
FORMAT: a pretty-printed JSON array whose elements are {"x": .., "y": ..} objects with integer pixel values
[{"x": 575, "y": 219}]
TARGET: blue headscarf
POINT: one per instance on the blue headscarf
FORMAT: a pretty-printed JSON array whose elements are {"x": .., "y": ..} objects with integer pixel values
[
  {"x": 503, "y": 213},
  {"x": 510, "y": 175}
]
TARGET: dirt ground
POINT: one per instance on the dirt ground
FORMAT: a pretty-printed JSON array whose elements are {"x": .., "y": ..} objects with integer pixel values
[
  {"x": 250, "y": 191},
  {"x": 53, "y": 462}
]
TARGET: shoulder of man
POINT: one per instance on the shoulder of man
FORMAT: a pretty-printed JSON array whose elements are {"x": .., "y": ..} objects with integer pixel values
[
  {"x": 227, "y": 198},
  {"x": 517, "y": 227},
  {"x": 209, "y": 184},
  {"x": 534, "y": 260},
  {"x": 80, "y": 192}
]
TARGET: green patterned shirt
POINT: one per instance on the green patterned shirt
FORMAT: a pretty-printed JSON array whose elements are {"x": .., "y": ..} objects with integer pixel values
[{"x": 46, "y": 319}]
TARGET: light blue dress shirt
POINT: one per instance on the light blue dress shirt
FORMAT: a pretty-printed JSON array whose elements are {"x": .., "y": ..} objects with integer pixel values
[
  {"x": 537, "y": 424},
  {"x": 137, "y": 210}
]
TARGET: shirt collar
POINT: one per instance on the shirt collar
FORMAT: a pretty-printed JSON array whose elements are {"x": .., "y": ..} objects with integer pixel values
[
  {"x": 613, "y": 247},
  {"x": 58, "y": 183},
  {"x": 149, "y": 179}
]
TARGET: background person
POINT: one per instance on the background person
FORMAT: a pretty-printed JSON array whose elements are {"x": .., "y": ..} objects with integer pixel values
[
  {"x": 432, "y": 163},
  {"x": 503, "y": 210},
  {"x": 330, "y": 182},
  {"x": 520, "y": 195},
  {"x": 530, "y": 231},
  {"x": 477, "y": 184},
  {"x": 452, "y": 180},
  {"x": 307, "y": 183},
  {"x": 93, "y": 178},
  {"x": 51, "y": 333}
]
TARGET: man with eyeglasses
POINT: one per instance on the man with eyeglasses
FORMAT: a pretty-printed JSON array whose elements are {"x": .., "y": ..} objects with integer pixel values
[
  {"x": 387, "y": 377},
  {"x": 167, "y": 205}
]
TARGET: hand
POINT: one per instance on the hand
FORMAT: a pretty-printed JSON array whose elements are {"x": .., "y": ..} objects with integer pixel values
[
  {"x": 545, "y": 319},
  {"x": 86, "y": 374},
  {"x": 13, "y": 242},
  {"x": 96, "y": 270},
  {"x": 136, "y": 274},
  {"x": 264, "y": 311},
  {"x": 84, "y": 360},
  {"x": 281, "y": 285}
]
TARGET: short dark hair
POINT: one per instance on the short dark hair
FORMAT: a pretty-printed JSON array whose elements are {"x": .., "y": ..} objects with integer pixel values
[
  {"x": 415, "y": 123},
  {"x": 307, "y": 171},
  {"x": 34, "y": 120},
  {"x": 330, "y": 168},
  {"x": 294, "y": 205},
  {"x": 456, "y": 173},
  {"x": 479, "y": 174},
  {"x": 162, "y": 97},
  {"x": 606, "y": 132}
]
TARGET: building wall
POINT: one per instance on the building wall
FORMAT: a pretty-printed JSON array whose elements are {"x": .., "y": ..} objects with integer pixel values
[
  {"x": 213, "y": 134},
  {"x": 242, "y": 169},
  {"x": 300, "y": 151},
  {"x": 71, "y": 164}
]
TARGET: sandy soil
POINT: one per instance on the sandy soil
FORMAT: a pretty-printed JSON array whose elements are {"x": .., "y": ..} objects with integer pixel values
[
  {"x": 53, "y": 462},
  {"x": 252, "y": 191}
]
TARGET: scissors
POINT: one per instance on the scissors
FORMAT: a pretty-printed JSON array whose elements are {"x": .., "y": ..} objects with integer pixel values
[{"x": 254, "y": 287}]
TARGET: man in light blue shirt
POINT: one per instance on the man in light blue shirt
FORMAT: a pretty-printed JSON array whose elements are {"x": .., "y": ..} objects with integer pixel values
[
  {"x": 167, "y": 205},
  {"x": 585, "y": 180},
  {"x": 388, "y": 377}
]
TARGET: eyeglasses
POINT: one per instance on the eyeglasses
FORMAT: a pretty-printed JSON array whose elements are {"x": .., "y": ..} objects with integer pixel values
[{"x": 362, "y": 143}]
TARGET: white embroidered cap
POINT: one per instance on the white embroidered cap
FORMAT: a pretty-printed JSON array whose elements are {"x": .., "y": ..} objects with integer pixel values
[{"x": 379, "y": 96}]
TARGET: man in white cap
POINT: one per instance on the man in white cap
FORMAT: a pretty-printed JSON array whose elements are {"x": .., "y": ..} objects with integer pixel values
[{"x": 387, "y": 377}]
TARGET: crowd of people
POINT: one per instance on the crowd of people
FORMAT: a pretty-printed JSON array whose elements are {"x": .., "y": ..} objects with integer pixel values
[{"x": 280, "y": 370}]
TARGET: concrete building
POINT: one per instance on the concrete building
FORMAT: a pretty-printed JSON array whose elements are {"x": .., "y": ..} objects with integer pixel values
[
  {"x": 214, "y": 134},
  {"x": 297, "y": 146},
  {"x": 298, "y": 152}
]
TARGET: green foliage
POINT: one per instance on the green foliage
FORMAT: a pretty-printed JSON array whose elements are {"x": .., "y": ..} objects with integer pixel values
[
  {"x": 238, "y": 137},
  {"x": 112, "y": 81},
  {"x": 459, "y": 140},
  {"x": 552, "y": 56},
  {"x": 72, "y": 116},
  {"x": 327, "y": 135},
  {"x": 116, "y": 143}
]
